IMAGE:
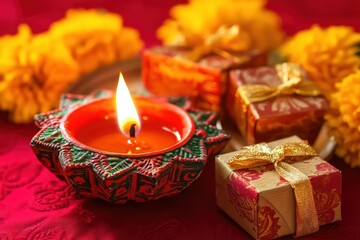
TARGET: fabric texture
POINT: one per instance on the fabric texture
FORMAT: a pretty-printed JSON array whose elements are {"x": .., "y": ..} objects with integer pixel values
[{"x": 34, "y": 204}]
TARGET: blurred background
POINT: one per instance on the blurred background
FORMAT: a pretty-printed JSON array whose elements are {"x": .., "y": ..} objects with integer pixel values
[{"x": 147, "y": 16}]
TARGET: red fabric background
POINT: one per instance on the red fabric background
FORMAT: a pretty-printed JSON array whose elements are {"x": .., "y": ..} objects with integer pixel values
[
  {"x": 36, "y": 205},
  {"x": 147, "y": 16}
]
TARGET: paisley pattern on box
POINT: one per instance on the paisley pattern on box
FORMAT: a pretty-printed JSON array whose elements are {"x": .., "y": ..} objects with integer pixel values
[
  {"x": 243, "y": 197},
  {"x": 327, "y": 195},
  {"x": 249, "y": 174},
  {"x": 287, "y": 105},
  {"x": 267, "y": 223},
  {"x": 323, "y": 168}
]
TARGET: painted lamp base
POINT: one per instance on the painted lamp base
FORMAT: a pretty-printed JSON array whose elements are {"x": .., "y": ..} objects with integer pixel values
[{"x": 117, "y": 178}]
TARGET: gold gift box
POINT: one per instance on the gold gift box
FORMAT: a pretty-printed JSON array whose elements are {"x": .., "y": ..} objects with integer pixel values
[{"x": 263, "y": 203}]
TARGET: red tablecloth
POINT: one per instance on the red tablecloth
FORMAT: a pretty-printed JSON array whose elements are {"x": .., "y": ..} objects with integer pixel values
[{"x": 34, "y": 204}]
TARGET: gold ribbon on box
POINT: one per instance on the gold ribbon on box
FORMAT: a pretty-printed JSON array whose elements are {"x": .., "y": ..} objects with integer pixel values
[
  {"x": 292, "y": 79},
  {"x": 261, "y": 154},
  {"x": 292, "y": 83},
  {"x": 226, "y": 42}
]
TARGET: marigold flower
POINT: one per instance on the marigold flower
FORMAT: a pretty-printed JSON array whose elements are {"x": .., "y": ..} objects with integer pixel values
[
  {"x": 95, "y": 37},
  {"x": 127, "y": 43},
  {"x": 327, "y": 54},
  {"x": 36, "y": 71},
  {"x": 194, "y": 23},
  {"x": 344, "y": 118}
]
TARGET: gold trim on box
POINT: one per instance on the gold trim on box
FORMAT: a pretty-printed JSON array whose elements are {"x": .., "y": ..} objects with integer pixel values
[
  {"x": 291, "y": 76},
  {"x": 261, "y": 154}
]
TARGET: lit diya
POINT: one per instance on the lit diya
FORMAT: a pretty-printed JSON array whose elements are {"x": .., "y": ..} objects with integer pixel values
[{"x": 121, "y": 149}]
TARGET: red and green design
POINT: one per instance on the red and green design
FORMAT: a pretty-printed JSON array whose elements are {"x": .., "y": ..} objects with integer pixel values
[{"x": 116, "y": 178}]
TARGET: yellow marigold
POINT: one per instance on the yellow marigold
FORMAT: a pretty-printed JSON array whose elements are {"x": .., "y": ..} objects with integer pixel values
[
  {"x": 344, "y": 118},
  {"x": 95, "y": 37},
  {"x": 36, "y": 69},
  {"x": 10, "y": 43},
  {"x": 194, "y": 23},
  {"x": 327, "y": 54},
  {"x": 127, "y": 43},
  {"x": 33, "y": 74}
]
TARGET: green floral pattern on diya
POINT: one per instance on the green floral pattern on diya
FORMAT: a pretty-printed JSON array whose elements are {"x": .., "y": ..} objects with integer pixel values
[{"x": 117, "y": 178}]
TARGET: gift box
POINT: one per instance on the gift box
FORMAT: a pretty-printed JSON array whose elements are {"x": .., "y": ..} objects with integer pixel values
[
  {"x": 169, "y": 71},
  {"x": 266, "y": 205},
  {"x": 270, "y": 103}
]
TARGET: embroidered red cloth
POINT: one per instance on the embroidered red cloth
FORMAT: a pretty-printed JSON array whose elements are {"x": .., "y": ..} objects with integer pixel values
[{"x": 34, "y": 204}]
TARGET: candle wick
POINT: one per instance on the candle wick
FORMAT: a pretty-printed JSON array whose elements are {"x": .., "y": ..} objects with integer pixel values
[{"x": 132, "y": 130}]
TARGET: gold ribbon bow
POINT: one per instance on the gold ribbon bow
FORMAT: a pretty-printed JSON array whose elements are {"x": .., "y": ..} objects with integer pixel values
[
  {"x": 261, "y": 154},
  {"x": 227, "y": 42},
  {"x": 292, "y": 83}
]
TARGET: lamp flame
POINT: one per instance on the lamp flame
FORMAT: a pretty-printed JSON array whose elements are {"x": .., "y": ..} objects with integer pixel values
[{"x": 127, "y": 116}]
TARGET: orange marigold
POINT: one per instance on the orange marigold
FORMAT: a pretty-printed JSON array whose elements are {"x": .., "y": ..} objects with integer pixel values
[
  {"x": 344, "y": 118},
  {"x": 95, "y": 37},
  {"x": 327, "y": 54},
  {"x": 195, "y": 23},
  {"x": 34, "y": 71}
]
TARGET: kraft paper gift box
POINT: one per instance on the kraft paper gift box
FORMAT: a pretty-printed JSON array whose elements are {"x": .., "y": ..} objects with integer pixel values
[
  {"x": 263, "y": 203},
  {"x": 167, "y": 71},
  {"x": 297, "y": 109}
]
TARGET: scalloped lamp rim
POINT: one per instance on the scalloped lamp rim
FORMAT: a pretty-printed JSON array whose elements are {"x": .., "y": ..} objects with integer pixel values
[{"x": 188, "y": 127}]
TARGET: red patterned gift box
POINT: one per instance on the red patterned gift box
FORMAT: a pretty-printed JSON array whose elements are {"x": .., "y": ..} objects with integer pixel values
[
  {"x": 167, "y": 71},
  {"x": 263, "y": 203},
  {"x": 291, "y": 112}
]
